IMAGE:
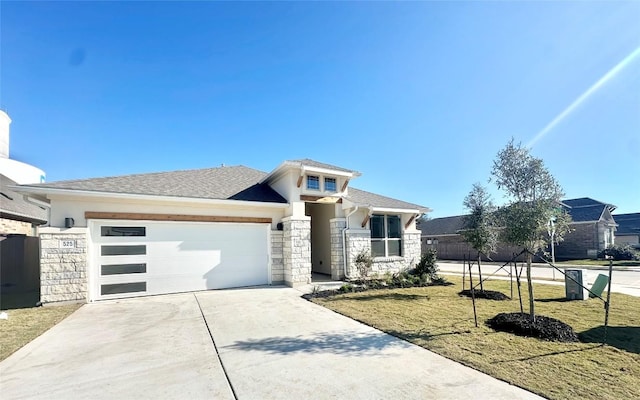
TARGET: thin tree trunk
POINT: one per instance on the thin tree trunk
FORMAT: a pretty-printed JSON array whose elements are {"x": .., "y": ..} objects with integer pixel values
[
  {"x": 518, "y": 276},
  {"x": 480, "y": 273},
  {"x": 532, "y": 312}
]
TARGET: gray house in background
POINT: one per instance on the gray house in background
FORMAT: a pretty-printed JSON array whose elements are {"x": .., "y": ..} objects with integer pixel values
[
  {"x": 593, "y": 229},
  {"x": 17, "y": 216},
  {"x": 628, "y": 231}
]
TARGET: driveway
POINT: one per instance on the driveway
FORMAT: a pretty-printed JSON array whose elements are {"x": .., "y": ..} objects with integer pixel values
[{"x": 271, "y": 345}]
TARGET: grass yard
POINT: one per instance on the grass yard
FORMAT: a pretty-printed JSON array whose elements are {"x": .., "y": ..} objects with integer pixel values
[
  {"x": 437, "y": 319},
  {"x": 26, "y": 324}
]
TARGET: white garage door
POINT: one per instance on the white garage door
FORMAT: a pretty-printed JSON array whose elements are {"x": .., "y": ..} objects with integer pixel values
[{"x": 134, "y": 258}]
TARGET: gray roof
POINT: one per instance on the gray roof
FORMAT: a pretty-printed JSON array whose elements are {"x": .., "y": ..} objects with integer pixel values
[
  {"x": 13, "y": 206},
  {"x": 585, "y": 209},
  {"x": 442, "y": 226},
  {"x": 371, "y": 199},
  {"x": 223, "y": 183},
  {"x": 628, "y": 224},
  {"x": 312, "y": 163}
]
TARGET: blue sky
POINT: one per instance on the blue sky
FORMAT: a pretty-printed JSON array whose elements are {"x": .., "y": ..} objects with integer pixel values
[{"x": 418, "y": 96}]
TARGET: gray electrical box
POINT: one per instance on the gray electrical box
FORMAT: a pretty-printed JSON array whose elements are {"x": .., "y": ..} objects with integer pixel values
[{"x": 572, "y": 289}]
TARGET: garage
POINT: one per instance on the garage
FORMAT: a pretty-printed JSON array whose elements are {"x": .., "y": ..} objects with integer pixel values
[{"x": 138, "y": 258}]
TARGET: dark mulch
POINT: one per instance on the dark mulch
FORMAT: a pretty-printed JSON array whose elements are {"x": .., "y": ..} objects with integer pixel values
[
  {"x": 363, "y": 286},
  {"x": 544, "y": 328},
  {"x": 485, "y": 294}
]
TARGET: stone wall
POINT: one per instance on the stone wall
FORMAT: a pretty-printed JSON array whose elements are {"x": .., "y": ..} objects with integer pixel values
[
  {"x": 336, "y": 226},
  {"x": 411, "y": 250},
  {"x": 296, "y": 245},
  {"x": 358, "y": 240},
  {"x": 13, "y": 226},
  {"x": 63, "y": 270},
  {"x": 277, "y": 261}
]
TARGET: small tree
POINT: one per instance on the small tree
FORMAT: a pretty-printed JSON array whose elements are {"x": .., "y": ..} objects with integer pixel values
[
  {"x": 534, "y": 199},
  {"x": 480, "y": 229}
]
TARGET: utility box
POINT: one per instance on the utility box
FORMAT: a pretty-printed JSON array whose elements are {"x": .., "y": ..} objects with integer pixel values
[{"x": 573, "y": 290}]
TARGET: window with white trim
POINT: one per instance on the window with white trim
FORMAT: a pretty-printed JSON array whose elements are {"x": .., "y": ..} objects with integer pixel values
[
  {"x": 313, "y": 182},
  {"x": 386, "y": 235}
]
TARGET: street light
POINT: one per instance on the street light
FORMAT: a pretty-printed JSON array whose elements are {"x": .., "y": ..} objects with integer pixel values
[{"x": 551, "y": 230}]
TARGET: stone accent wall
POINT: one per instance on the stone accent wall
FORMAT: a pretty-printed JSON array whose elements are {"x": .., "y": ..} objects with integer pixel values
[
  {"x": 13, "y": 226},
  {"x": 358, "y": 240},
  {"x": 336, "y": 226},
  {"x": 297, "y": 251},
  {"x": 277, "y": 260},
  {"x": 411, "y": 250},
  {"x": 63, "y": 271}
]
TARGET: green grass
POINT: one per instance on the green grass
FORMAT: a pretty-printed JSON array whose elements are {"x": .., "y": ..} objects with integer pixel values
[
  {"x": 26, "y": 324},
  {"x": 437, "y": 319}
]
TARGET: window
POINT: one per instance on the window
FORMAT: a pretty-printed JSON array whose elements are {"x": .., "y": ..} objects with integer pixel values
[
  {"x": 330, "y": 184},
  {"x": 386, "y": 235},
  {"x": 123, "y": 250},
  {"x": 313, "y": 182},
  {"x": 117, "y": 269}
]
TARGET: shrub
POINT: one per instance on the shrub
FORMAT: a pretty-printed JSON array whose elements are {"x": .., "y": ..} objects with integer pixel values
[
  {"x": 363, "y": 263},
  {"x": 427, "y": 265},
  {"x": 620, "y": 252},
  {"x": 346, "y": 288}
]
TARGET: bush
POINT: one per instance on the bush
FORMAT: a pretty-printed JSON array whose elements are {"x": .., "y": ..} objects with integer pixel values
[
  {"x": 363, "y": 263},
  {"x": 427, "y": 265},
  {"x": 620, "y": 252}
]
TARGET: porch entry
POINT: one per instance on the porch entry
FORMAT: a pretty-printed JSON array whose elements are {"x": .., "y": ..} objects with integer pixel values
[{"x": 320, "y": 214}]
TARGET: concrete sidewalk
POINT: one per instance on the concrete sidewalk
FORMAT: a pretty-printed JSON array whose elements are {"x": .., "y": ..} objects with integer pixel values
[{"x": 272, "y": 343}]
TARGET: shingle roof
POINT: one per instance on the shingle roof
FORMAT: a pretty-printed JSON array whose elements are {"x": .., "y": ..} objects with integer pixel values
[
  {"x": 312, "y": 163},
  {"x": 13, "y": 205},
  {"x": 223, "y": 183},
  {"x": 628, "y": 224},
  {"x": 371, "y": 199},
  {"x": 585, "y": 209},
  {"x": 443, "y": 226}
]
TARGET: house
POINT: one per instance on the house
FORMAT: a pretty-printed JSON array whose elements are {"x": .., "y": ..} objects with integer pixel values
[
  {"x": 592, "y": 230},
  {"x": 628, "y": 231},
  {"x": 213, "y": 228},
  {"x": 17, "y": 215}
]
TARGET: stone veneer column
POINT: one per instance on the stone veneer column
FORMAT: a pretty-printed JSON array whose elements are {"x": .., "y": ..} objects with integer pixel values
[
  {"x": 411, "y": 248},
  {"x": 358, "y": 240},
  {"x": 336, "y": 226},
  {"x": 277, "y": 264},
  {"x": 296, "y": 246},
  {"x": 63, "y": 270}
]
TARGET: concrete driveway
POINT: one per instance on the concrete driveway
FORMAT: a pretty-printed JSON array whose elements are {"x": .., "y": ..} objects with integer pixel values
[{"x": 271, "y": 345}]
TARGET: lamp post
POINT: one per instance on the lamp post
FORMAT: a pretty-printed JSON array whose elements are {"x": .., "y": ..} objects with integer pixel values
[{"x": 551, "y": 230}]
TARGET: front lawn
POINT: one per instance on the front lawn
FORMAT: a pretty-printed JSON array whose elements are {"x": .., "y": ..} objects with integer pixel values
[
  {"x": 437, "y": 319},
  {"x": 26, "y": 324},
  {"x": 599, "y": 263}
]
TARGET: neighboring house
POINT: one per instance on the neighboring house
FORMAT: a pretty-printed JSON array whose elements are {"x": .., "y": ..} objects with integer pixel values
[
  {"x": 628, "y": 231},
  {"x": 216, "y": 228},
  {"x": 17, "y": 215},
  {"x": 593, "y": 229}
]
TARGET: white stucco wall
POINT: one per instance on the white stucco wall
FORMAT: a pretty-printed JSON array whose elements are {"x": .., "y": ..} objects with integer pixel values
[{"x": 65, "y": 207}]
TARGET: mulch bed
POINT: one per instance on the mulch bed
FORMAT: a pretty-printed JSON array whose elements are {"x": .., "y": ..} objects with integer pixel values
[
  {"x": 485, "y": 294},
  {"x": 359, "y": 286},
  {"x": 544, "y": 328}
]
